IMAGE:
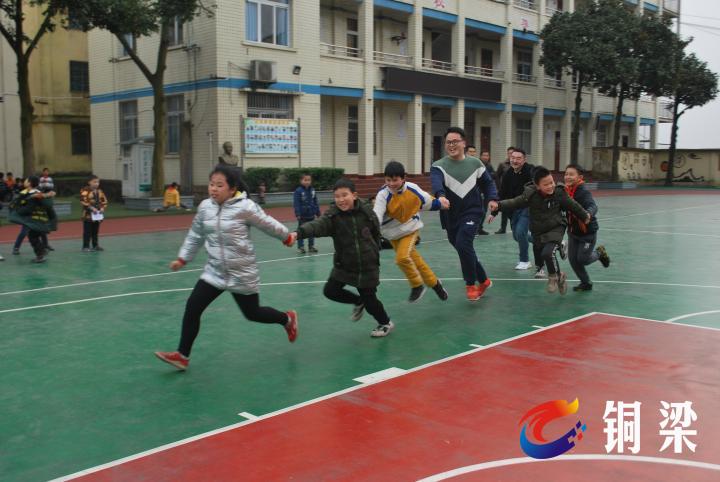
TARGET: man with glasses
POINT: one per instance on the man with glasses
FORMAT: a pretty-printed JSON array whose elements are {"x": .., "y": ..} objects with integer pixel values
[{"x": 463, "y": 181}]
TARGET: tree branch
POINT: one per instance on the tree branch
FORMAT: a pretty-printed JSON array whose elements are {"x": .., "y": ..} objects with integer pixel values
[
  {"x": 138, "y": 61},
  {"x": 5, "y": 33},
  {"x": 41, "y": 31}
]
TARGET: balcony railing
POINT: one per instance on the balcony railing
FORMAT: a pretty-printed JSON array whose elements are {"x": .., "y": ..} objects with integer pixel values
[
  {"x": 550, "y": 11},
  {"x": 485, "y": 72},
  {"x": 526, "y": 78},
  {"x": 339, "y": 51},
  {"x": 437, "y": 65},
  {"x": 666, "y": 110},
  {"x": 647, "y": 98},
  {"x": 672, "y": 5},
  {"x": 529, "y": 4},
  {"x": 388, "y": 58},
  {"x": 553, "y": 82}
]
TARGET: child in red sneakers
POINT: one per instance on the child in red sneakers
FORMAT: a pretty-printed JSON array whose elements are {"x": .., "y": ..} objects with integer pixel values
[{"x": 222, "y": 224}]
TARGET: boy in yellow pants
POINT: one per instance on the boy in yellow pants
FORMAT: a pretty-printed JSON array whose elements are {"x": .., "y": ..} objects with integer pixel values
[{"x": 397, "y": 206}]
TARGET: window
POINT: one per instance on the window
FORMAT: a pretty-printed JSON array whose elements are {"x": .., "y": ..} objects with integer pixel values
[
  {"x": 175, "y": 32},
  {"x": 128, "y": 120},
  {"x": 353, "y": 40},
  {"x": 523, "y": 134},
  {"x": 270, "y": 106},
  {"x": 268, "y": 21},
  {"x": 601, "y": 136},
  {"x": 353, "y": 130},
  {"x": 524, "y": 65},
  {"x": 79, "y": 78},
  {"x": 80, "y": 139},
  {"x": 175, "y": 115},
  {"x": 132, "y": 41}
]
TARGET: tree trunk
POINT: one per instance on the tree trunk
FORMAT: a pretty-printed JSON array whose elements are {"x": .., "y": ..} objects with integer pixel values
[
  {"x": 26, "y": 116},
  {"x": 575, "y": 135},
  {"x": 670, "y": 174},
  {"x": 616, "y": 136},
  {"x": 160, "y": 133}
]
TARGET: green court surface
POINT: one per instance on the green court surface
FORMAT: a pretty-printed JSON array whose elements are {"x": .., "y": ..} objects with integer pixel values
[{"x": 81, "y": 387}]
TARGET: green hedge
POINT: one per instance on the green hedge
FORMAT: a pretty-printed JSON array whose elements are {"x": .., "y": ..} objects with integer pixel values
[
  {"x": 285, "y": 180},
  {"x": 323, "y": 177}
]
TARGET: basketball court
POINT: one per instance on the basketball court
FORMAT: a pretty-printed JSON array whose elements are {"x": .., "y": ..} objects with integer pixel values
[{"x": 440, "y": 399}]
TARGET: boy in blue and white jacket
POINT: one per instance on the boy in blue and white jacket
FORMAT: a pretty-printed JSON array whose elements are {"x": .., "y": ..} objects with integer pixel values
[{"x": 306, "y": 208}]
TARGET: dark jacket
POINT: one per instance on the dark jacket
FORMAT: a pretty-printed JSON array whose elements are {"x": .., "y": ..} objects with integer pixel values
[
  {"x": 585, "y": 199},
  {"x": 356, "y": 238},
  {"x": 34, "y": 212},
  {"x": 305, "y": 203},
  {"x": 513, "y": 183},
  {"x": 547, "y": 220},
  {"x": 500, "y": 171}
]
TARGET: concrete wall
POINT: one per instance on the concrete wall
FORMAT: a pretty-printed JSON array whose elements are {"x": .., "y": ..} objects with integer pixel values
[{"x": 691, "y": 166}]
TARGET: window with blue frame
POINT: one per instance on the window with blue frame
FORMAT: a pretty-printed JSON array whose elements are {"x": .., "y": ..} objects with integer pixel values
[{"x": 268, "y": 21}]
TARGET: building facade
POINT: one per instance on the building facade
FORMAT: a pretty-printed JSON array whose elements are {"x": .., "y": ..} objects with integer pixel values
[
  {"x": 353, "y": 84},
  {"x": 59, "y": 85}
]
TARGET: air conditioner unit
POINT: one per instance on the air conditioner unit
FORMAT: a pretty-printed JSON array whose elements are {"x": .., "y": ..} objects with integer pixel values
[{"x": 263, "y": 71}]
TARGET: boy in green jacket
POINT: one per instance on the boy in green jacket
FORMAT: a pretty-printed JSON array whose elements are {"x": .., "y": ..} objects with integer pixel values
[
  {"x": 34, "y": 209},
  {"x": 355, "y": 231},
  {"x": 547, "y": 203}
]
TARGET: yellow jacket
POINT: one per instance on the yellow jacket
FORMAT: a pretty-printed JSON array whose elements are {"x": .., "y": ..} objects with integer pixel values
[
  {"x": 398, "y": 212},
  {"x": 171, "y": 197}
]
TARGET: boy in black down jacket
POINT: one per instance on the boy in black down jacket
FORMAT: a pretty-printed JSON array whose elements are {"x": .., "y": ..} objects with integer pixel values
[
  {"x": 546, "y": 202},
  {"x": 355, "y": 231}
]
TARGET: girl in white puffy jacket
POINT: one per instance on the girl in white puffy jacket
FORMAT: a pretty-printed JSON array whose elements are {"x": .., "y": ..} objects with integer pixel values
[{"x": 222, "y": 224}]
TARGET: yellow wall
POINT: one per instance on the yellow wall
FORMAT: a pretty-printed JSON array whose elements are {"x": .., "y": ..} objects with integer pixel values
[{"x": 56, "y": 108}]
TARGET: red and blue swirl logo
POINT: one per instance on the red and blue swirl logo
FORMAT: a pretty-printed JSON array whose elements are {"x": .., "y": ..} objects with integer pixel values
[{"x": 535, "y": 420}]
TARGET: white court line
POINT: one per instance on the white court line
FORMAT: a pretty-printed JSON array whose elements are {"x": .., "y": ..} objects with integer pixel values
[
  {"x": 658, "y": 212},
  {"x": 572, "y": 457},
  {"x": 690, "y": 315},
  {"x": 248, "y": 415},
  {"x": 201, "y": 436},
  {"x": 658, "y": 321},
  {"x": 537, "y": 326},
  {"x": 192, "y": 270},
  {"x": 286, "y": 283},
  {"x": 386, "y": 374},
  {"x": 662, "y": 232},
  {"x": 476, "y": 346}
]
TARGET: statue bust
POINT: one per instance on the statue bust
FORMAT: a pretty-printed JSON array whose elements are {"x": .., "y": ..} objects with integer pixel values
[{"x": 227, "y": 156}]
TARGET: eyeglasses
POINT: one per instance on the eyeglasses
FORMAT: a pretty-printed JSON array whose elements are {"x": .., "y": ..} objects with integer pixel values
[{"x": 453, "y": 143}]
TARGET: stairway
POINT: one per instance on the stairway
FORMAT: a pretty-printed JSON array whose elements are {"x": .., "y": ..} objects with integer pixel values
[{"x": 368, "y": 186}]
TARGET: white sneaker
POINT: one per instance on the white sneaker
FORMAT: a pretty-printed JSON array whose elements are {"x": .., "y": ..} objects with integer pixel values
[
  {"x": 382, "y": 330},
  {"x": 357, "y": 312},
  {"x": 540, "y": 274},
  {"x": 523, "y": 265},
  {"x": 563, "y": 249},
  {"x": 1, "y": 258}
]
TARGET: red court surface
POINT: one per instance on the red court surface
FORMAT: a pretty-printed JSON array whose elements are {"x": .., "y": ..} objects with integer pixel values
[{"x": 464, "y": 411}]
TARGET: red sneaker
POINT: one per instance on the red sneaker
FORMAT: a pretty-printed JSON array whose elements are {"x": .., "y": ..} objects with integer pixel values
[
  {"x": 472, "y": 293},
  {"x": 174, "y": 358},
  {"x": 292, "y": 325},
  {"x": 481, "y": 287}
]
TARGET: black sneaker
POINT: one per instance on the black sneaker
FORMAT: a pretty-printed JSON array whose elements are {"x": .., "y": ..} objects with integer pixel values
[
  {"x": 301, "y": 251},
  {"x": 49, "y": 248},
  {"x": 500, "y": 231},
  {"x": 16, "y": 251},
  {"x": 582, "y": 287},
  {"x": 382, "y": 330},
  {"x": 39, "y": 259},
  {"x": 416, "y": 294},
  {"x": 357, "y": 312},
  {"x": 440, "y": 291},
  {"x": 312, "y": 249},
  {"x": 603, "y": 256},
  {"x": 482, "y": 232}
]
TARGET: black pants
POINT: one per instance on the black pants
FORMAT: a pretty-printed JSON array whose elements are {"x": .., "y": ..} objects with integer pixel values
[
  {"x": 203, "y": 294},
  {"x": 335, "y": 290},
  {"x": 301, "y": 242},
  {"x": 36, "y": 241},
  {"x": 581, "y": 252},
  {"x": 90, "y": 232},
  {"x": 546, "y": 253},
  {"x": 504, "y": 221},
  {"x": 462, "y": 236}
]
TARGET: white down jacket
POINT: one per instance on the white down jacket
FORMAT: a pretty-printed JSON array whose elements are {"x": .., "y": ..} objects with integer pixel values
[{"x": 225, "y": 231}]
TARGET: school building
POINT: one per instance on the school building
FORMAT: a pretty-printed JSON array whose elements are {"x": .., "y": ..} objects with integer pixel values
[{"x": 353, "y": 84}]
